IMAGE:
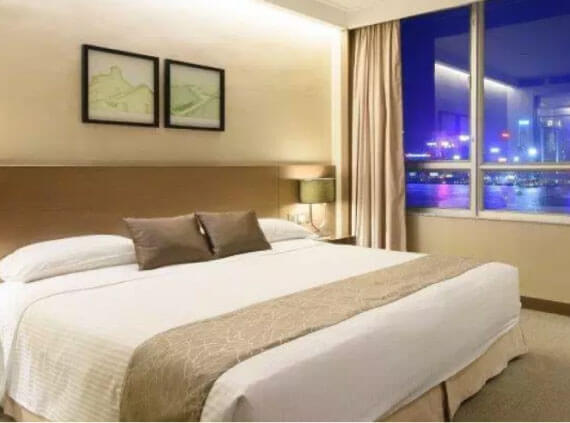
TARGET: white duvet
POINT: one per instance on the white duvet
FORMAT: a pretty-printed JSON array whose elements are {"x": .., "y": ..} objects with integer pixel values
[{"x": 66, "y": 341}]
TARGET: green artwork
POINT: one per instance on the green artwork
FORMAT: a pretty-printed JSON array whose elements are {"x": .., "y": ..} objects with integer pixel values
[
  {"x": 196, "y": 96},
  {"x": 111, "y": 92},
  {"x": 119, "y": 87},
  {"x": 195, "y": 101}
]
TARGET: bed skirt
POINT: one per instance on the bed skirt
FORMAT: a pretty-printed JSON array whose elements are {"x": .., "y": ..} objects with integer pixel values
[
  {"x": 438, "y": 404},
  {"x": 442, "y": 401}
]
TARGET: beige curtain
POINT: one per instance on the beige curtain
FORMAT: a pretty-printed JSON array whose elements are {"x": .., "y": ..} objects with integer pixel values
[{"x": 378, "y": 174}]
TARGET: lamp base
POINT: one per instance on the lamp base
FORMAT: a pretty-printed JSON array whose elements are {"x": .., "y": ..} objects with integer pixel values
[{"x": 316, "y": 229}]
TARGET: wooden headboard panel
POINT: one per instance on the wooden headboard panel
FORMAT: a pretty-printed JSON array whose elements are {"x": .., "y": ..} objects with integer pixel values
[{"x": 40, "y": 203}]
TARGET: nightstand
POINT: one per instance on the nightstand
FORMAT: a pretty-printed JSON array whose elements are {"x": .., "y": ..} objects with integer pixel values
[{"x": 347, "y": 240}]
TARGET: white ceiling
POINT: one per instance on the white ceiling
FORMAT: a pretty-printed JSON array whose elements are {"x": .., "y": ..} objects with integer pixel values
[
  {"x": 351, "y": 5},
  {"x": 357, "y": 13}
]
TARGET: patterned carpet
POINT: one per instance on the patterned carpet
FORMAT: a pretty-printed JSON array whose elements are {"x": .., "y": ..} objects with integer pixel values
[{"x": 535, "y": 387}]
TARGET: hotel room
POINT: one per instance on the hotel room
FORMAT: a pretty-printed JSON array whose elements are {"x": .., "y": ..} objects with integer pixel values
[{"x": 284, "y": 210}]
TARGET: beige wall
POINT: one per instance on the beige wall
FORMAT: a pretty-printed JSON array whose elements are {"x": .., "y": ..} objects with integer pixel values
[
  {"x": 540, "y": 251},
  {"x": 278, "y": 76}
]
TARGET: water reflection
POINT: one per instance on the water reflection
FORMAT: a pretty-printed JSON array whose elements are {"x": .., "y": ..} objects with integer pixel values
[
  {"x": 437, "y": 196},
  {"x": 541, "y": 199}
]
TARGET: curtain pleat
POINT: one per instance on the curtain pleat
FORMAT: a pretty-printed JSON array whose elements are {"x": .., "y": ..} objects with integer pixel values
[{"x": 378, "y": 172}]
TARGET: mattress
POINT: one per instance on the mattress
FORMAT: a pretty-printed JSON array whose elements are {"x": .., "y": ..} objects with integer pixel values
[{"x": 67, "y": 340}]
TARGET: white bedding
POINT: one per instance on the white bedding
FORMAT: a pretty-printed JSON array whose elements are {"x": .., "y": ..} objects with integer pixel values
[{"x": 67, "y": 358}]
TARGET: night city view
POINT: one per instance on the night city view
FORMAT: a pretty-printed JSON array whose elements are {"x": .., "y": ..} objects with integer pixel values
[
  {"x": 445, "y": 189},
  {"x": 527, "y": 105}
]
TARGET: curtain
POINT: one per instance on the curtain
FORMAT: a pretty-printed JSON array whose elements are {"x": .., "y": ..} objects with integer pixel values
[{"x": 378, "y": 172}]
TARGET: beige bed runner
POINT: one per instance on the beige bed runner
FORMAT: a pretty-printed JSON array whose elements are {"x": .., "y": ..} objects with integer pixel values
[{"x": 170, "y": 375}]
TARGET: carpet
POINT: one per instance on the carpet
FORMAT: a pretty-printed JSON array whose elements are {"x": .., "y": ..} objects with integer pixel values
[{"x": 535, "y": 387}]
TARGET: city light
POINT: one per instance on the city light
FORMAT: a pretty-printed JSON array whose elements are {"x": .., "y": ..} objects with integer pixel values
[
  {"x": 502, "y": 160},
  {"x": 431, "y": 144},
  {"x": 445, "y": 144},
  {"x": 418, "y": 155},
  {"x": 524, "y": 122},
  {"x": 516, "y": 159},
  {"x": 456, "y": 157},
  {"x": 532, "y": 152},
  {"x": 495, "y": 150},
  {"x": 464, "y": 138},
  {"x": 433, "y": 174},
  {"x": 505, "y": 135}
]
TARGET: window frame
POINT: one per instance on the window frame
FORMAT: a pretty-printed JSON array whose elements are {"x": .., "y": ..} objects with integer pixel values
[{"x": 476, "y": 166}]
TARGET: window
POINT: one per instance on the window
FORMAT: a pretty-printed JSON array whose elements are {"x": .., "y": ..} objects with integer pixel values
[
  {"x": 435, "y": 77},
  {"x": 527, "y": 106},
  {"x": 514, "y": 162},
  {"x": 527, "y": 81}
]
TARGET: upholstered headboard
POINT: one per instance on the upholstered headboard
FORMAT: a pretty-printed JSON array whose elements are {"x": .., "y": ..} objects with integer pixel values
[{"x": 40, "y": 203}]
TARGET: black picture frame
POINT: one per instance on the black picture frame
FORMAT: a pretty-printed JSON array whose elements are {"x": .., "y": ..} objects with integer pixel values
[
  {"x": 85, "y": 115},
  {"x": 167, "y": 96}
]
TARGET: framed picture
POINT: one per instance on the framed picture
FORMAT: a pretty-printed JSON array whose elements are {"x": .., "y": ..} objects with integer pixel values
[
  {"x": 194, "y": 96},
  {"x": 119, "y": 87}
]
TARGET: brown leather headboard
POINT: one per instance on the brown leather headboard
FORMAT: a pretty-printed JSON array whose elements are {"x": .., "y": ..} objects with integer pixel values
[{"x": 40, "y": 203}]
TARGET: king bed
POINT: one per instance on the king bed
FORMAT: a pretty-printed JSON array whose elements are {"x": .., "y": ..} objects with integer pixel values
[{"x": 104, "y": 344}]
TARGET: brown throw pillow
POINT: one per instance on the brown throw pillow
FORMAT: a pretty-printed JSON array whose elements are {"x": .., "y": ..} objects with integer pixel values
[
  {"x": 167, "y": 240},
  {"x": 233, "y": 232}
]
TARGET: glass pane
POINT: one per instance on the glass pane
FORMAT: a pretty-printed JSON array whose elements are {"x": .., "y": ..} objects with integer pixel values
[
  {"x": 527, "y": 191},
  {"x": 435, "y": 78},
  {"x": 527, "y": 81},
  {"x": 447, "y": 189}
]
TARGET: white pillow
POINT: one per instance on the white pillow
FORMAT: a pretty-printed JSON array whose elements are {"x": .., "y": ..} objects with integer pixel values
[
  {"x": 281, "y": 230},
  {"x": 67, "y": 255}
]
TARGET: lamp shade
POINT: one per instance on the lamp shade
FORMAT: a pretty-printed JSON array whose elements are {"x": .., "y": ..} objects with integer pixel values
[{"x": 316, "y": 191}]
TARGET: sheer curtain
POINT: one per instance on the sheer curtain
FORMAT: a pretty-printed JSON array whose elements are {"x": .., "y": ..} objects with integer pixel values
[{"x": 378, "y": 173}]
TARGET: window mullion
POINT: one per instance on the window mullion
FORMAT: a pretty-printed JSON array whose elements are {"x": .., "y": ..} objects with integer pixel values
[
  {"x": 527, "y": 166},
  {"x": 476, "y": 103}
]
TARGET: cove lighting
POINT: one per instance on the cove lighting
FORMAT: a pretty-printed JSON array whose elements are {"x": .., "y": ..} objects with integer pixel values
[{"x": 450, "y": 70}]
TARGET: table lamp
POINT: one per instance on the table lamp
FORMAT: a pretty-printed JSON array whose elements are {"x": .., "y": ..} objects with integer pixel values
[{"x": 316, "y": 191}]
